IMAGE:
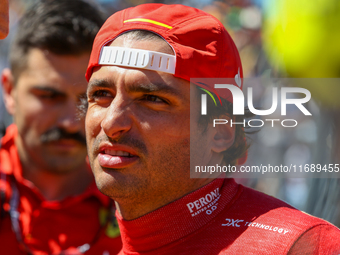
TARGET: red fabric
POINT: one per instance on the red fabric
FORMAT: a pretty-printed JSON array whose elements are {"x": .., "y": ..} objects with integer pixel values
[
  {"x": 50, "y": 227},
  {"x": 203, "y": 47},
  {"x": 226, "y": 218}
]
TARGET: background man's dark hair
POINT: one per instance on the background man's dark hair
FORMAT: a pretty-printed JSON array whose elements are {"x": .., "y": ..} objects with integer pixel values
[{"x": 63, "y": 27}]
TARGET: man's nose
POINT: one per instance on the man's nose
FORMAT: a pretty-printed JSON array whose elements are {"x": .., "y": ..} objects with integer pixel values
[
  {"x": 117, "y": 119},
  {"x": 69, "y": 117}
]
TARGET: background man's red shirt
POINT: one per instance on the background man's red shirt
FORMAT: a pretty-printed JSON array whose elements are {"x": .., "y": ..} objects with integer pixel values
[{"x": 50, "y": 227}]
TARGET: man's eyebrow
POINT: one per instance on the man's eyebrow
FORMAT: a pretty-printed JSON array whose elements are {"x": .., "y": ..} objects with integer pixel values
[
  {"x": 152, "y": 88},
  {"x": 99, "y": 83},
  {"x": 47, "y": 89},
  {"x": 137, "y": 87}
]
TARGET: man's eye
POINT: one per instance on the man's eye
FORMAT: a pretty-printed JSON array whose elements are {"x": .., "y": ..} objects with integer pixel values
[
  {"x": 153, "y": 98},
  {"x": 100, "y": 97},
  {"x": 100, "y": 93},
  {"x": 49, "y": 95}
]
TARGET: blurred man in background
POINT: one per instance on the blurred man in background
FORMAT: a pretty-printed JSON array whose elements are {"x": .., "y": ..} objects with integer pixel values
[
  {"x": 49, "y": 201},
  {"x": 4, "y": 18},
  {"x": 144, "y": 130}
]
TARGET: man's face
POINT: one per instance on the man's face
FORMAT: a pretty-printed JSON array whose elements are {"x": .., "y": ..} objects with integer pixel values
[
  {"x": 138, "y": 131},
  {"x": 45, "y": 111},
  {"x": 4, "y": 19}
]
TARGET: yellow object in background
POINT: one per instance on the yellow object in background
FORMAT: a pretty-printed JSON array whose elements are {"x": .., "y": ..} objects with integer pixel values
[{"x": 302, "y": 38}]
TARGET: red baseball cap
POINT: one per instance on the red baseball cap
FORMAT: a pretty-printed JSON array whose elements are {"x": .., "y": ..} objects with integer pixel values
[{"x": 203, "y": 48}]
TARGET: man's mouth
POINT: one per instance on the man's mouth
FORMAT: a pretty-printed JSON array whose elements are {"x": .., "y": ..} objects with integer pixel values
[
  {"x": 113, "y": 158},
  {"x": 117, "y": 153}
]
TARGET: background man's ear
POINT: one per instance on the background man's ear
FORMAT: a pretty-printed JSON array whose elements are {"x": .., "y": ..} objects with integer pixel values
[
  {"x": 7, "y": 81},
  {"x": 224, "y": 136}
]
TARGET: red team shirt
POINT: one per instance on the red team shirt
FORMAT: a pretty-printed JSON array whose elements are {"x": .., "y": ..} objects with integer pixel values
[
  {"x": 50, "y": 227},
  {"x": 226, "y": 218}
]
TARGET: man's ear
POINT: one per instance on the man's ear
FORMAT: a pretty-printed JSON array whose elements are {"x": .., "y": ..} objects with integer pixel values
[
  {"x": 223, "y": 136},
  {"x": 7, "y": 81}
]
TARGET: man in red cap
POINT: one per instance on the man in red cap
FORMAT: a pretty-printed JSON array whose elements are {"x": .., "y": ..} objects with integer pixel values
[
  {"x": 141, "y": 143},
  {"x": 49, "y": 203}
]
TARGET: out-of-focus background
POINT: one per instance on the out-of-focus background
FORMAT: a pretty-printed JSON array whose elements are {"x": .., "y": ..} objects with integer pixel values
[{"x": 280, "y": 38}]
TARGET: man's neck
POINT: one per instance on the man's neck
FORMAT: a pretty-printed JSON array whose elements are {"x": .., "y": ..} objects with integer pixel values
[
  {"x": 59, "y": 186},
  {"x": 130, "y": 210}
]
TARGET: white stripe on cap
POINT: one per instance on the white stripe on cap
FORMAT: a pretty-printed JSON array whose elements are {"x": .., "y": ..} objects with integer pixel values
[{"x": 136, "y": 58}]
